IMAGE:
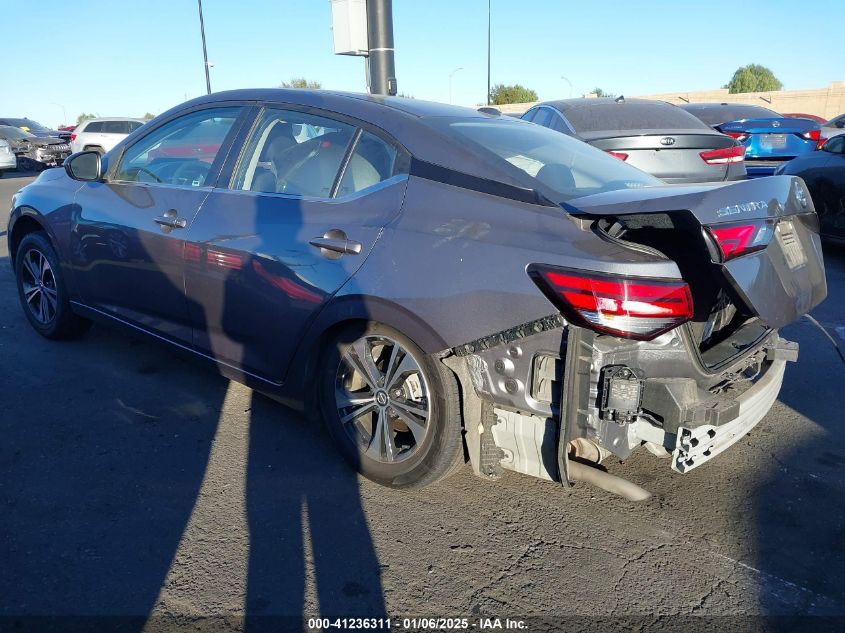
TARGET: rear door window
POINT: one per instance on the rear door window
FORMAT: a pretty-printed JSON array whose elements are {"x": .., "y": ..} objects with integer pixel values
[
  {"x": 294, "y": 153},
  {"x": 373, "y": 161},
  {"x": 93, "y": 127}
]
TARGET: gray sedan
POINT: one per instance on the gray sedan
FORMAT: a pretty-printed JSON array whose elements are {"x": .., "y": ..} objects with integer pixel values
[
  {"x": 431, "y": 281},
  {"x": 657, "y": 137}
]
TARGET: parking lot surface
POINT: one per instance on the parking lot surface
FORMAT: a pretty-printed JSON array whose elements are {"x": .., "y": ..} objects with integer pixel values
[{"x": 136, "y": 481}]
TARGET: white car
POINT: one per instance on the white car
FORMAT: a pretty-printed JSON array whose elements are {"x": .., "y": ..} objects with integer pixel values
[
  {"x": 100, "y": 135},
  {"x": 834, "y": 127},
  {"x": 7, "y": 157}
]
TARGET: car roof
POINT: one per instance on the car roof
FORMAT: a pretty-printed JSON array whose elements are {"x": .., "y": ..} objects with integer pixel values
[
  {"x": 341, "y": 101},
  {"x": 409, "y": 121},
  {"x": 567, "y": 104},
  {"x": 114, "y": 118}
]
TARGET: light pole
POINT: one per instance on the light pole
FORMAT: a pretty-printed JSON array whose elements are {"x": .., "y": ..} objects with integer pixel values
[
  {"x": 450, "y": 82},
  {"x": 488, "y": 50},
  {"x": 570, "y": 84},
  {"x": 204, "y": 53},
  {"x": 64, "y": 112}
]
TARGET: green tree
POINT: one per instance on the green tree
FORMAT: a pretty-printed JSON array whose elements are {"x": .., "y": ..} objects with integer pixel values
[
  {"x": 753, "y": 78},
  {"x": 601, "y": 93},
  {"x": 301, "y": 83},
  {"x": 148, "y": 116},
  {"x": 84, "y": 117},
  {"x": 501, "y": 94}
]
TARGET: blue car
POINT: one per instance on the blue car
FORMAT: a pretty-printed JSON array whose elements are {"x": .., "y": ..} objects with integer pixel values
[{"x": 769, "y": 138}]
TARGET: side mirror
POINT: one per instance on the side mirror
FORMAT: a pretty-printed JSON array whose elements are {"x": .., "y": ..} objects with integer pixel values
[{"x": 84, "y": 166}]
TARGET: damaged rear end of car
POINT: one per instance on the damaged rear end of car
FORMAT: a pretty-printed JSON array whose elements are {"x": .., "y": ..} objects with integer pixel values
[{"x": 682, "y": 359}]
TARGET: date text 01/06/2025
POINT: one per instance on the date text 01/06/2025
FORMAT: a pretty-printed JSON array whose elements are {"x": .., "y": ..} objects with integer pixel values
[{"x": 417, "y": 624}]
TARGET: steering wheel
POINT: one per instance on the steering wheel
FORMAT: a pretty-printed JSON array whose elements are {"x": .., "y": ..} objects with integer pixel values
[
  {"x": 144, "y": 170},
  {"x": 182, "y": 172}
]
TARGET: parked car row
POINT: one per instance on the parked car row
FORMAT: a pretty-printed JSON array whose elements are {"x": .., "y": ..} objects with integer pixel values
[
  {"x": 711, "y": 142},
  {"x": 436, "y": 282},
  {"x": 36, "y": 147}
]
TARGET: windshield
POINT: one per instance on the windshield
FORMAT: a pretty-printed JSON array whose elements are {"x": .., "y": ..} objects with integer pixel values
[
  {"x": 28, "y": 125},
  {"x": 722, "y": 114},
  {"x": 7, "y": 131},
  {"x": 559, "y": 166}
]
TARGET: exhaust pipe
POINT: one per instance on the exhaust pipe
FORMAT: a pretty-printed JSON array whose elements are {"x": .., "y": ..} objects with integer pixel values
[{"x": 579, "y": 471}]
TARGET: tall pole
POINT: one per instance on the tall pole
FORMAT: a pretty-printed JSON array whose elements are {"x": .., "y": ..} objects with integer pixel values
[
  {"x": 380, "y": 38},
  {"x": 488, "y": 51},
  {"x": 569, "y": 82},
  {"x": 204, "y": 52},
  {"x": 450, "y": 82}
]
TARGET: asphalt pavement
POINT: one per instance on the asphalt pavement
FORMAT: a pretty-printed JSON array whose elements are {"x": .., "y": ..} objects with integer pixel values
[{"x": 137, "y": 482}]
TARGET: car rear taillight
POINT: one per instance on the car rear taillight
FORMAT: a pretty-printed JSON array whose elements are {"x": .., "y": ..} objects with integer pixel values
[
  {"x": 741, "y": 238},
  {"x": 822, "y": 141},
  {"x": 631, "y": 307},
  {"x": 73, "y": 137},
  {"x": 812, "y": 135},
  {"x": 724, "y": 155},
  {"x": 619, "y": 155},
  {"x": 740, "y": 136}
]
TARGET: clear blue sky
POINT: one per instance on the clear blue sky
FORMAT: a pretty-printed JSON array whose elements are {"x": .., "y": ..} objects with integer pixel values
[{"x": 113, "y": 57}]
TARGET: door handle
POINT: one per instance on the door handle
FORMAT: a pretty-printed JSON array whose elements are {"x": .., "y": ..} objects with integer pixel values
[
  {"x": 335, "y": 244},
  {"x": 171, "y": 220}
]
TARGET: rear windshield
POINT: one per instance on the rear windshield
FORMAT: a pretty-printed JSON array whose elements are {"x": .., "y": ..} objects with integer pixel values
[
  {"x": 557, "y": 165},
  {"x": 714, "y": 115},
  {"x": 7, "y": 131},
  {"x": 630, "y": 116},
  {"x": 27, "y": 125}
]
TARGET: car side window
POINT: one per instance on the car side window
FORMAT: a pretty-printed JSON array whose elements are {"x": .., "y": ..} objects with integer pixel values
[
  {"x": 374, "y": 160},
  {"x": 836, "y": 145},
  {"x": 529, "y": 116},
  {"x": 293, "y": 153},
  {"x": 180, "y": 152},
  {"x": 93, "y": 126},
  {"x": 543, "y": 117},
  {"x": 131, "y": 126},
  {"x": 114, "y": 127}
]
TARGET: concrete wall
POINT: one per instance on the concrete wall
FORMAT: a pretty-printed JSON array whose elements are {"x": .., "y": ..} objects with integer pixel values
[{"x": 824, "y": 102}]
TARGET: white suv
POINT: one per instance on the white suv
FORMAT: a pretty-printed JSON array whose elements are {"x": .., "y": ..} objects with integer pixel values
[{"x": 100, "y": 135}]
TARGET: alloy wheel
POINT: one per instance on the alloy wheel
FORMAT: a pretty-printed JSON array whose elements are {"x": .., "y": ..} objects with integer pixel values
[
  {"x": 39, "y": 286},
  {"x": 382, "y": 398}
]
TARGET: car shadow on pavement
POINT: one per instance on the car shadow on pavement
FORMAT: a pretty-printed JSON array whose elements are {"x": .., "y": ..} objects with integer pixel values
[
  {"x": 798, "y": 514},
  {"x": 104, "y": 465}
]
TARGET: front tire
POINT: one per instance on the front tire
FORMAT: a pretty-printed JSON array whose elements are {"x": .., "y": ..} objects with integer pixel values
[
  {"x": 42, "y": 292},
  {"x": 393, "y": 410}
]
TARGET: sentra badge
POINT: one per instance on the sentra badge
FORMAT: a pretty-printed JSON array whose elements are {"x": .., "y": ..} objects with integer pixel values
[{"x": 745, "y": 207}]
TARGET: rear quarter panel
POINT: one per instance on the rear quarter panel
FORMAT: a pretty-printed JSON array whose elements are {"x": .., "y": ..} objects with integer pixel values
[{"x": 455, "y": 262}]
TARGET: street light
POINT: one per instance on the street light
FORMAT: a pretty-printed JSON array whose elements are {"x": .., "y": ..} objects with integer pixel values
[
  {"x": 450, "y": 82},
  {"x": 204, "y": 53},
  {"x": 570, "y": 84},
  {"x": 64, "y": 112},
  {"x": 488, "y": 50}
]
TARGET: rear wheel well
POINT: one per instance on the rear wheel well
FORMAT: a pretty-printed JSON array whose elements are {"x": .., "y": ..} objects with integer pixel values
[
  {"x": 315, "y": 358},
  {"x": 23, "y": 226}
]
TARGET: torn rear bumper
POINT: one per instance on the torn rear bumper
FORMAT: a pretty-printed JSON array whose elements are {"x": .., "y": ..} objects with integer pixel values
[{"x": 698, "y": 445}]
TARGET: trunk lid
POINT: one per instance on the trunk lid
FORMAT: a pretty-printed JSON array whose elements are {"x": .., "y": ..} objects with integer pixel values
[
  {"x": 770, "y": 125},
  {"x": 777, "y": 284},
  {"x": 673, "y": 156}
]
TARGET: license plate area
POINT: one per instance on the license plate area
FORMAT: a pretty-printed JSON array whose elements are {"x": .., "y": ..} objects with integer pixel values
[
  {"x": 789, "y": 243},
  {"x": 773, "y": 141}
]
